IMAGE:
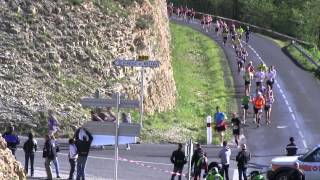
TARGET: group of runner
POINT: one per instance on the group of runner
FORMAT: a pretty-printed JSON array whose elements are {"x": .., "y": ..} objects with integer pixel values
[{"x": 183, "y": 13}]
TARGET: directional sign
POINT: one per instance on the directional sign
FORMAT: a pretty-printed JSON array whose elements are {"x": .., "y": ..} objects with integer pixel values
[
  {"x": 109, "y": 128},
  {"x": 134, "y": 63},
  {"x": 98, "y": 103},
  {"x": 101, "y": 103},
  {"x": 129, "y": 104}
]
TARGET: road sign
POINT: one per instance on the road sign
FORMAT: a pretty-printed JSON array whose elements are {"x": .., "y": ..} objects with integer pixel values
[
  {"x": 129, "y": 104},
  {"x": 134, "y": 63},
  {"x": 98, "y": 103},
  {"x": 109, "y": 128}
]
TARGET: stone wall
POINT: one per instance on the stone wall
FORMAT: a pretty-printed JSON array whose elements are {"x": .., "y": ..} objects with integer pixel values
[{"x": 52, "y": 53}]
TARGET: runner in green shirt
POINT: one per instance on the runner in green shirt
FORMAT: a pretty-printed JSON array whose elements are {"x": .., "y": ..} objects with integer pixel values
[{"x": 246, "y": 99}]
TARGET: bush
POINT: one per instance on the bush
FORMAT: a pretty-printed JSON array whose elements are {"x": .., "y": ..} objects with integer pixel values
[
  {"x": 144, "y": 22},
  {"x": 76, "y": 2}
]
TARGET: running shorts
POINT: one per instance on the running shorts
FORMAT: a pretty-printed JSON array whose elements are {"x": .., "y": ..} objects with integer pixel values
[
  {"x": 258, "y": 83},
  {"x": 245, "y": 106},
  {"x": 236, "y": 132},
  {"x": 247, "y": 82},
  {"x": 267, "y": 107},
  {"x": 256, "y": 110}
]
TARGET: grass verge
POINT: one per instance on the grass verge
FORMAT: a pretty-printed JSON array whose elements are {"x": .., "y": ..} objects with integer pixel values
[
  {"x": 298, "y": 57},
  {"x": 198, "y": 67}
]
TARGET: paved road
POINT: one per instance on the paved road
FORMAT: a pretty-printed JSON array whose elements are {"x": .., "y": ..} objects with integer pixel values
[
  {"x": 295, "y": 112},
  {"x": 142, "y": 162},
  {"x": 294, "y": 87}
]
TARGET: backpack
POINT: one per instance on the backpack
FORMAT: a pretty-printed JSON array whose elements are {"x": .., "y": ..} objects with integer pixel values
[{"x": 201, "y": 162}]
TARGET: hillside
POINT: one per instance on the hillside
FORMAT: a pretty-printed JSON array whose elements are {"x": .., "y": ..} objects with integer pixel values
[{"x": 52, "y": 53}]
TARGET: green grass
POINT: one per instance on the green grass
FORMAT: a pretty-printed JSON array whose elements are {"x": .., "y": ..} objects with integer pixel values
[{"x": 200, "y": 79}]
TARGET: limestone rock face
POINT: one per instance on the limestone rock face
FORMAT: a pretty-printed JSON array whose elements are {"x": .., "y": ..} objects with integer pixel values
[
  {"x": 9, "y": 167},
  {"x": 52, "y": 53}
]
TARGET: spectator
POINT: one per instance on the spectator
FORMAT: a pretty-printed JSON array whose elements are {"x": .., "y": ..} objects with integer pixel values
[
  {"x": 178, "y": 158},
  {"x": 291, "y": 148},
  {"x": 30, "y": 147},
  {"x": 110, "y": 116},
  {"x": 196, "y": 161},
  {"x": 12, "y": 139},
  {"x": 224, "y": 155},
  {"x": 95, "y": 117},
  {"x": 243, "y": 159},
  {"x": 73, "y": 156},
  {"x": 53, "y": 123},
  {"x": 126, "y": 119},
  {"x": 83, "y": 147},
  {"x": 55, "y": 145},
  {"x": 49, "y": 153},
  {"x": 220, "y": 119}
]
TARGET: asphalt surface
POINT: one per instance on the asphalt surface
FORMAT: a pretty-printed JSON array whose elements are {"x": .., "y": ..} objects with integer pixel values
[
  {"x": 295, "y": 87},
  {"x": 295, "y": 111}
]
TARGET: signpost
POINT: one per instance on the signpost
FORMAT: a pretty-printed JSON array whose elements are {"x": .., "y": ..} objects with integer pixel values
[
  {"x": 138, "y": 63},
  {"x": 189, "y": 152},
  {"x": 117, "y": 102}
]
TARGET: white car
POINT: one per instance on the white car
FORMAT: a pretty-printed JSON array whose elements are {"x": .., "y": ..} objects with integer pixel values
[{"x": 309, "y": 163}]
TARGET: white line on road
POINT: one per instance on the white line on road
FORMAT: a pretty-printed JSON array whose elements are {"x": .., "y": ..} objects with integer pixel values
[
  {"x": 296, "y": 124},
  {"x": 300, "y": 133},
  {"x": 293, "y": 117},
  {"x": 235, "y": 174},
  {"x": 290, "y": 109},
  {"x": 287, "y": 103},
  {"x": 304, "y": 144}
]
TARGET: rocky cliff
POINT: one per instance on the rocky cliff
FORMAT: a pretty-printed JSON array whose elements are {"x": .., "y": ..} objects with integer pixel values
[
  {"x": 53, "y": 52},
  {"x": 9, "y": 167}
]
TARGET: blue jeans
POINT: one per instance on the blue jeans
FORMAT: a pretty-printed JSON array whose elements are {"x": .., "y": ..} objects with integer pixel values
[
  {"x": 81, "y": 165},
  {"x": 27, "y": 157},
  {"x": 242, "y": 172},
  {"x": 56, "y": 165}
]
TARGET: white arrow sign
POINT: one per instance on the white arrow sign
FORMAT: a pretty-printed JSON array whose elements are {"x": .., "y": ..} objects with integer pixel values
[{"x": 134, "y": 63}]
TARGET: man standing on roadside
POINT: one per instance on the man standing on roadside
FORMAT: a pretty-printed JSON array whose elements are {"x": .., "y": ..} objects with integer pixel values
[
  {"x": 243, "y": 159},
  {"x": 30, "y": 147},
  {"x": 12, "y": 140},
  {"x": 178, "y": 158},
  {"x": 83, "y": 147},
  {"x": 291, "y": 148},
  {"x": 224, "y": 155},
  {"x": 196, "y": 158},
  {"x": 53, "y": 123},
  {"x": 49, "y": 153}
]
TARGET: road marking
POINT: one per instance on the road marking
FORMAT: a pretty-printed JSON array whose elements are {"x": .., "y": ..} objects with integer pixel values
[
  {"x": 287, "y": 103},
  {"x": 304, "y": 144},
  {"x": 235, "y": 174},
  {"x": 293, "y": 117},
  {"x": 281, "y": 127},
  {"x": 296, "y": 124},
  {"x": 281, "y": 91},
  {"x": 290, "y": 109},
  {"x": 301, "y": 135}
]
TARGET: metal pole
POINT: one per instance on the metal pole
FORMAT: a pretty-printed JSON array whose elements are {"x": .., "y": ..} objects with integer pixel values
[
  {"x": 190, "y": 149},
  {"x": 116, "y": 146},
  {"x": 141, "y": 96}
]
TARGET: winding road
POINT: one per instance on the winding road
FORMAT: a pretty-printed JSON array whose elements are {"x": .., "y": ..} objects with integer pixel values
[{"x": 295, "y": 113}]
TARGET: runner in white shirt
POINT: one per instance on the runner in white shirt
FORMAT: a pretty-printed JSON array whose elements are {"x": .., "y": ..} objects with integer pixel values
[
  {"x": 73, "y": 156},
  {"x": 271, "y": 75},
  {"x": 260, "y": 76}
]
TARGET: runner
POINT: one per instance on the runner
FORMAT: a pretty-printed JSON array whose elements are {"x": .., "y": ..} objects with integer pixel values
[
  {"x": 220, "y": 119},
  {"x": 246, "y": 99},
  {"x": 240, "y": 32},
  {"x": 225, "y": 33},
  {"x": 178, "y": 11},
  {"x": 244, "y": 54},
  {"x": 262, "y": 67},
  {"x": 247, "y": 32},
  {"x": 247, "y": 81},
  {"x": 269, "y": 101},
  {"x": 260, "y": 76},
  {"x": 203, "y": 21},
  {"x": 250, "y": 69},
  {"x": 271, "y": 75},
  {"x": 240, "y": 61},
  {"x": 258, "y": 103},
  {"x": 217, "y": 28},
  {"x": 235, "y": 121}
]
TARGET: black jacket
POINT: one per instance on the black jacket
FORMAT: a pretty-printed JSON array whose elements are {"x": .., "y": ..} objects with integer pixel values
[
  {"x": 48, "y": 150},
  {"x": 291, "y": 149},
  {"x": 30, "y": 146},
  {"x": 296, "y": 174},
  {"x": 196, "y": 156},
  {"x": 83, "y": 147},
  {"x": 243, "y": 159},
  {"x": 178, "y": 158}
]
